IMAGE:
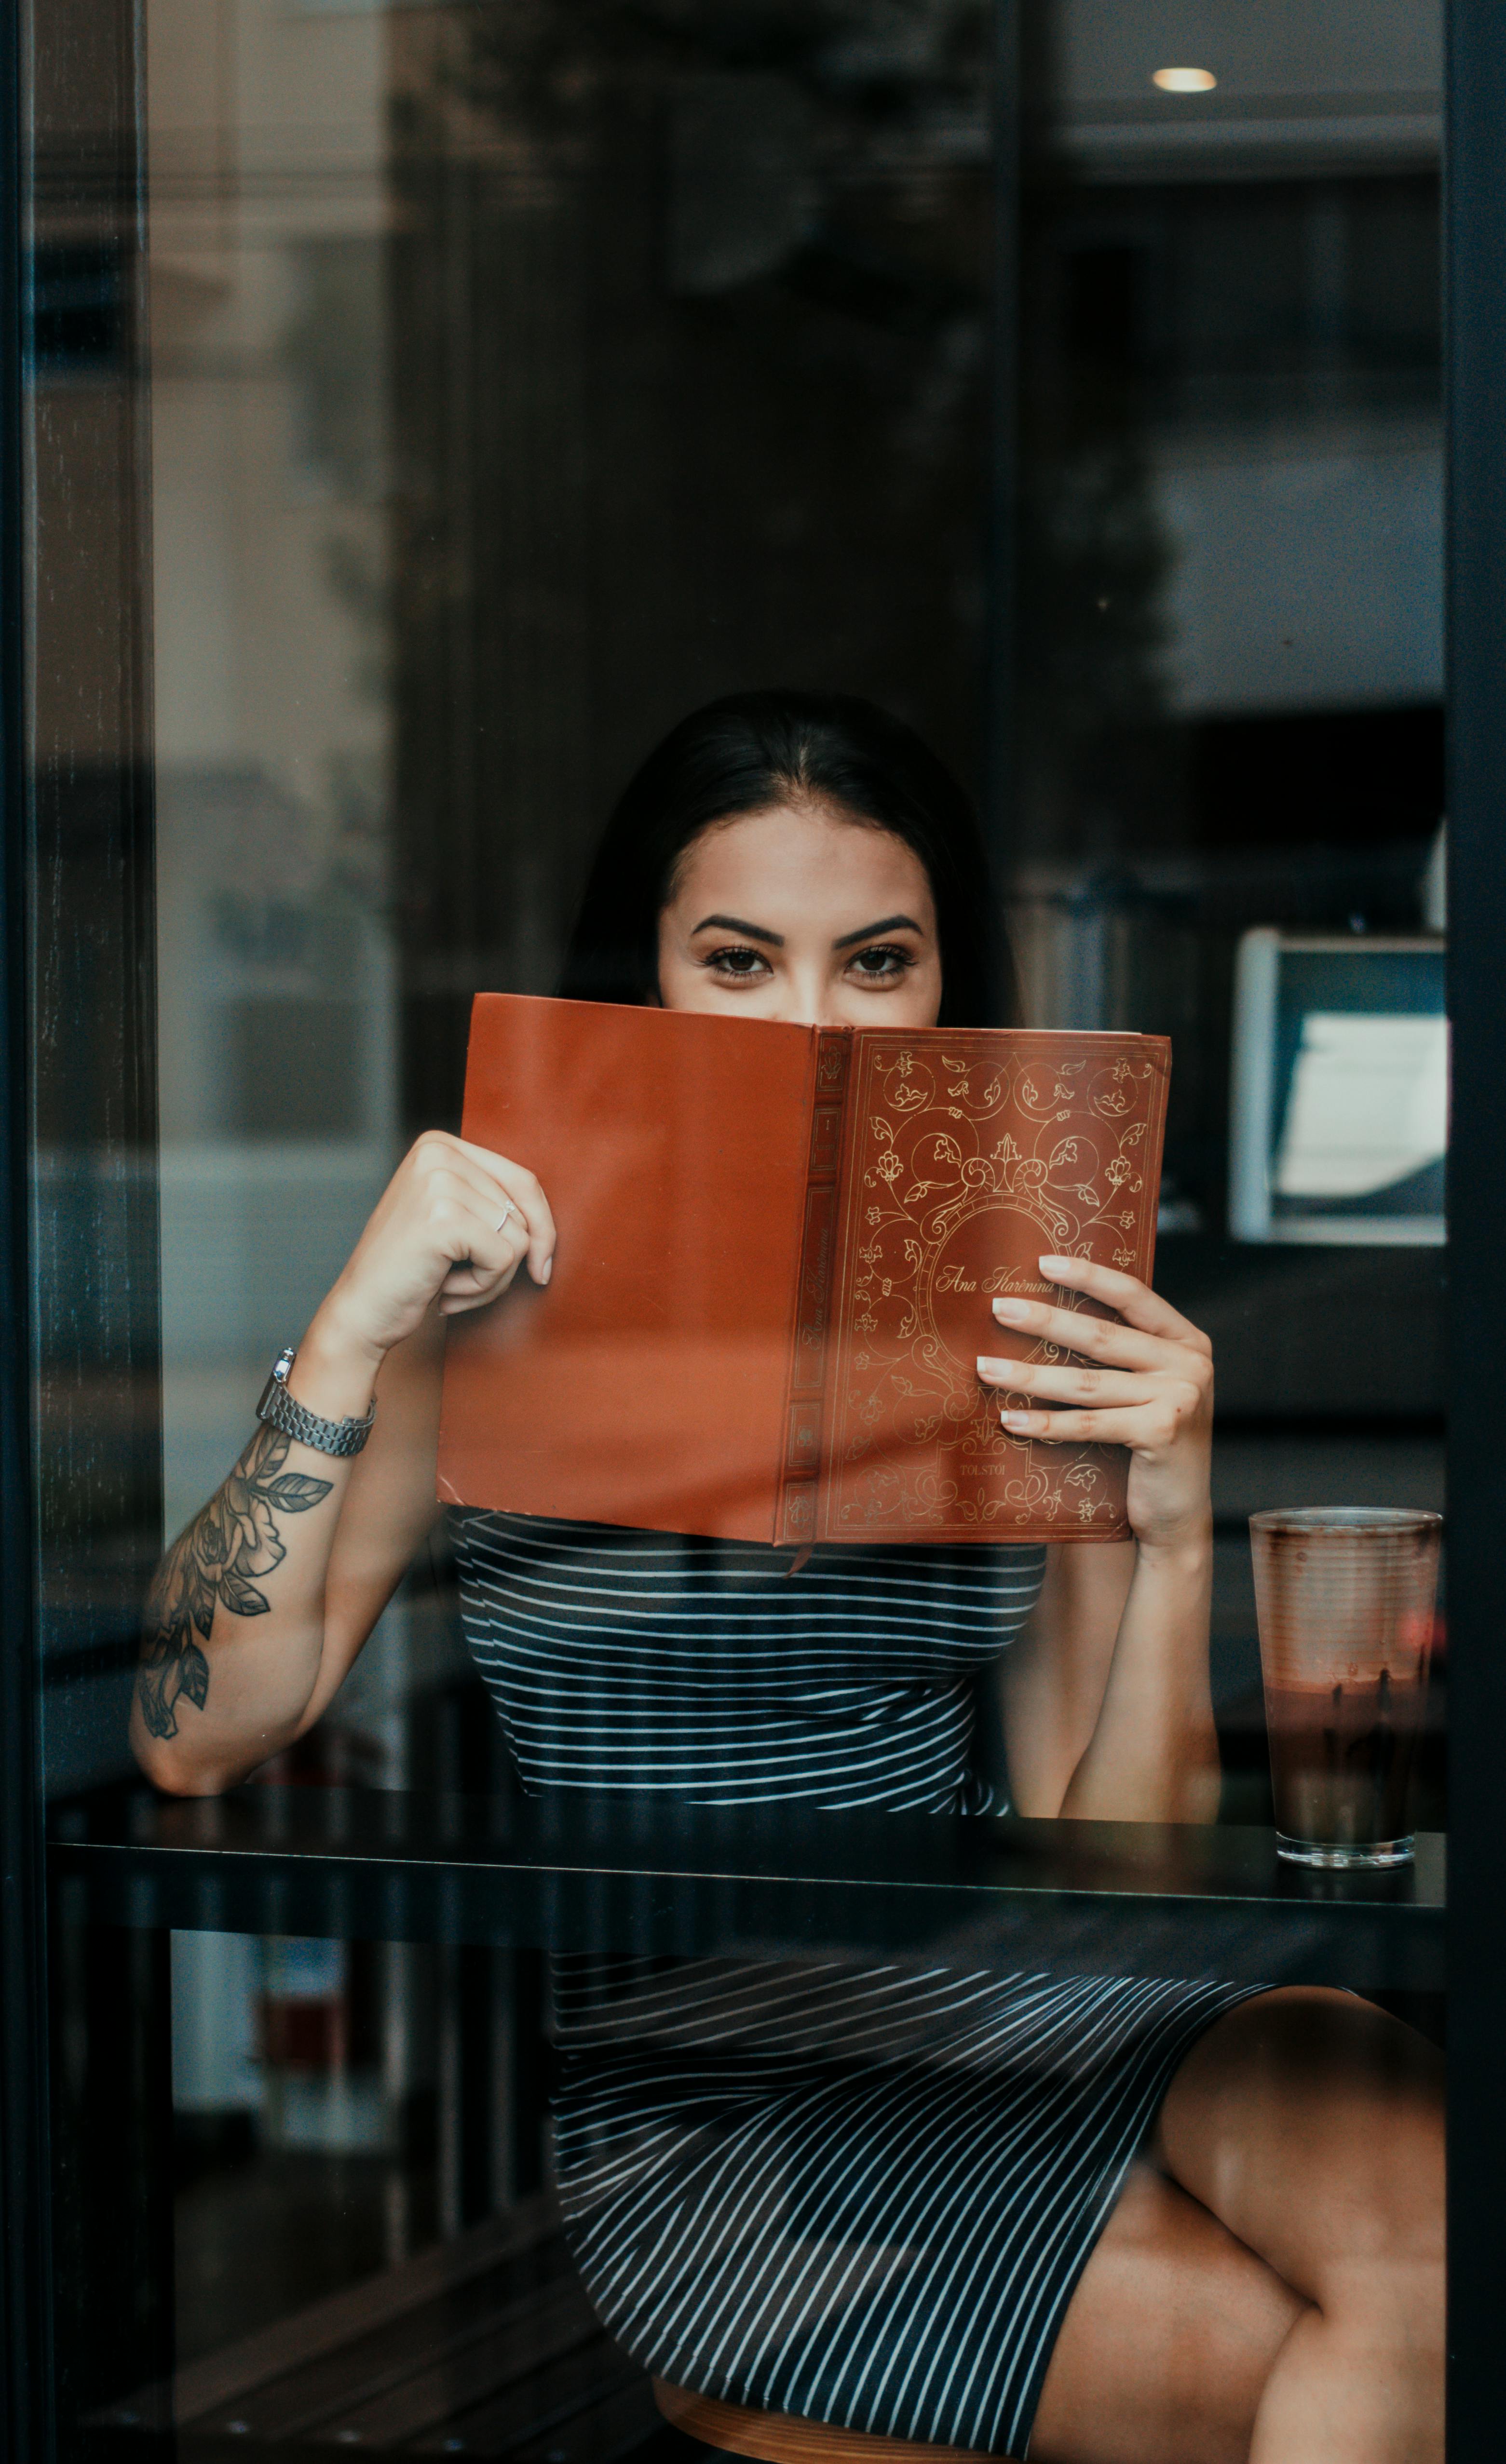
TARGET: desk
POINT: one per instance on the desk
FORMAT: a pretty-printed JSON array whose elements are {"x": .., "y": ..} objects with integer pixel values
[{"x": 616, "y": 1873}]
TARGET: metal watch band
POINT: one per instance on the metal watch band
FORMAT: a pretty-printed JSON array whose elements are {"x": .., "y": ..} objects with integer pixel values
[{"x": 279, "y": 1410}]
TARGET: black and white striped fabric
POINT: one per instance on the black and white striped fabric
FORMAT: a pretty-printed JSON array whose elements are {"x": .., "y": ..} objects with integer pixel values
[
  {"x": 861, "y": 2193},
  {"x": 711, "y": 1672}
]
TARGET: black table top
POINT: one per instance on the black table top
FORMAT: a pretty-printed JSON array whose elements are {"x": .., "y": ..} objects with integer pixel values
[{"x": 621, "y": 1872}]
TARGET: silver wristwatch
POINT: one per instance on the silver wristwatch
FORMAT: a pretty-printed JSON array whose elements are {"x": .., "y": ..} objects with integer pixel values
[{"x": 279, "y": 1410}]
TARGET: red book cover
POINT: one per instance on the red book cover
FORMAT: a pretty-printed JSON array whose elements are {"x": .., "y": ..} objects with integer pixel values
[{"x": 777, "y": 1250}]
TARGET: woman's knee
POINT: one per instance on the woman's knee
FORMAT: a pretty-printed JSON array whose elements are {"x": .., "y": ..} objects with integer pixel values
[
  {"x": 1311, "y": 2124},
  {"x": 1167, "y": 2342}
]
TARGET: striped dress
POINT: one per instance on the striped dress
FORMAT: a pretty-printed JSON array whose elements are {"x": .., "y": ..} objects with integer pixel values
[{"x": 862, "y": 2194}]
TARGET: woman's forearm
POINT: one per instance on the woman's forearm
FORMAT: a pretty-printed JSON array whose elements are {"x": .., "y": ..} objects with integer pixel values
[
  {"x": 259, "y": 1608},
  {"x": 1153, "y": 1755},
  {"x": 1143, "y": 1380},
  {"x": 234, "y": 1632}
]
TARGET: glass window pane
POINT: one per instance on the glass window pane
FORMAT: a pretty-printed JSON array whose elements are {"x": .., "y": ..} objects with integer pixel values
[{"x": 657, "y": 1880}]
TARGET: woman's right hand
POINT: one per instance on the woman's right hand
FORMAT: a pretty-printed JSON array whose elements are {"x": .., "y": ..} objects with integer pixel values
[
  {"x": 294, "y": 1567},
  {"x": 453, "y": 1226}
]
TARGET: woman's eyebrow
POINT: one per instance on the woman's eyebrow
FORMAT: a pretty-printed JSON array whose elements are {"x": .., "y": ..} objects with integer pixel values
[
  {"x": 885, "y": 924},
  {"x": 736, "y": 924}
]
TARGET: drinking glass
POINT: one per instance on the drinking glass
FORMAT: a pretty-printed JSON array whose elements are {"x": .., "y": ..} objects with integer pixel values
[{"x": 1344, "y": 1595}]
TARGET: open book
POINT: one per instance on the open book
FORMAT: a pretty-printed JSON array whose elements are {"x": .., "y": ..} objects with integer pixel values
[{"x": 777, "y": 1250}]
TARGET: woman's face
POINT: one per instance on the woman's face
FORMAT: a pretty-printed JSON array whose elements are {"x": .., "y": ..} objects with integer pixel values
[{"x": 798, "y": 915}]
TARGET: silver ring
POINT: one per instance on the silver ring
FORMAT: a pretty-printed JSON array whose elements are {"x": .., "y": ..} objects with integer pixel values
[{"x": 508, "y": 1212}]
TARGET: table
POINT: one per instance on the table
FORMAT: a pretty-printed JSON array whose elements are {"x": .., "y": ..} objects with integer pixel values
[{"x": 624, "y": 1874}]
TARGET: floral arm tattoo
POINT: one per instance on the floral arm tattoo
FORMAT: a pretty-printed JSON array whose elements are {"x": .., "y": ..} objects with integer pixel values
[{"x": 235, "y": 1537}]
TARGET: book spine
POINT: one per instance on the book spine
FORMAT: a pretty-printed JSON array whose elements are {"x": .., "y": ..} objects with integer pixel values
[{"x": 796, "y": 1523}]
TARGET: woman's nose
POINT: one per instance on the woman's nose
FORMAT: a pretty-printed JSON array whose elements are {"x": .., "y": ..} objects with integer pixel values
[
  {"x": 807, "y": 998},
  {"x": 798, "y": 1013}
]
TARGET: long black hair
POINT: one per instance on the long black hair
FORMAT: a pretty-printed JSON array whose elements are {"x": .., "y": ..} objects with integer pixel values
[{"x": 747, "y": 753}]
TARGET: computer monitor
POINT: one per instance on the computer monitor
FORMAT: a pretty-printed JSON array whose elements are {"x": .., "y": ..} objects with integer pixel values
[{"x": 1339, "y": 1116}]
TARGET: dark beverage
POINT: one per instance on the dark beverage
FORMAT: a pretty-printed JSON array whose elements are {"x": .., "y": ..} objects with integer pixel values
[
  {"x": 1345, "y": 1601},
  {"x": 1341, "y": 1758}
]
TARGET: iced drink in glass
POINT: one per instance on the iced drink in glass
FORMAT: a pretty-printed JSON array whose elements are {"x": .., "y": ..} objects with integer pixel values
[{"x": 1344, "y": 1597}]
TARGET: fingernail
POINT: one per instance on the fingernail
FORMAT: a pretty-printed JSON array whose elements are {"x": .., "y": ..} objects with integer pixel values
[
  {"x": 995, "y": 1368},
  {"x": 1013, "y": 1312},
  {"x": 1054, "y": 1265},
  {"x": 1016, "y": 1419},
  {"x": 546, "y": 1270}
]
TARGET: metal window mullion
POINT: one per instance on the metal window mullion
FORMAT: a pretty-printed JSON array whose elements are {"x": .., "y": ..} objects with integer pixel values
[
  {"x": 1475, "y": 371},
  {"x": 27, "y": 2427}
]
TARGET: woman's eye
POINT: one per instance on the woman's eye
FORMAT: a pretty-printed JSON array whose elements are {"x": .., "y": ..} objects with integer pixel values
[
  {"x": 885, "y": 959},
  {"x": 740, "y": 963}
]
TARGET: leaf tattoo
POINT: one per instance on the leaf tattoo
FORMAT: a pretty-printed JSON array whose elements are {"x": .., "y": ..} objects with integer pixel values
[{"x": 231, "y": 1539}]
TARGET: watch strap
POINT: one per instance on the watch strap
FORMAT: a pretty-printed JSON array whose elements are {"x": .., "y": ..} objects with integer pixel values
[{"x": 280, "y": 1410}]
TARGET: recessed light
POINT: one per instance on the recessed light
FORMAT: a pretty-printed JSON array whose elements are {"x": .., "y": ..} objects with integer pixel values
[{"x": 1183, "y": 80}]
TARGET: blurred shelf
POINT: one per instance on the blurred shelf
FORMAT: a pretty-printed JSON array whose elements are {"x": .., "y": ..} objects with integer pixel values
[{"x": 1083, "y": 1897}]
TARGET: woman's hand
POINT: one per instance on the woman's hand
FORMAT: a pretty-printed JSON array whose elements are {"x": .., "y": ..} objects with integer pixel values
[
  {"x": 1111, "y": 1718},
  {"x": 454, "y": 1226},
  {"x": 1150, "y": 1386}
]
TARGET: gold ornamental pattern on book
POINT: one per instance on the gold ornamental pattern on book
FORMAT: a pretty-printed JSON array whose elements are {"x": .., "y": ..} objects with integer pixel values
[{"x": 965, "y": 1170}]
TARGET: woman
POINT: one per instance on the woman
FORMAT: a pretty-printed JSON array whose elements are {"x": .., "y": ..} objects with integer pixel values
[{"x": 1111, "y": 2220}]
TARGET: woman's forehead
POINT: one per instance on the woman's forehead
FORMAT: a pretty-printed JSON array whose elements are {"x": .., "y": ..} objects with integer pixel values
[{"x": 814, "y": 855}]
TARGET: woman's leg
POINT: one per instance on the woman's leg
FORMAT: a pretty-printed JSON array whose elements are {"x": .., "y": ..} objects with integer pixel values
[
  {"x": 1279, "y": 2298},
  {"x": 1168, "y": 2342},
  {"x": 1310, "y": 2125}
]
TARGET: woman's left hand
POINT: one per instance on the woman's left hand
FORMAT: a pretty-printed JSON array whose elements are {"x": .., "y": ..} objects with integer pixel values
[{"x": 1148, "y": 1385}]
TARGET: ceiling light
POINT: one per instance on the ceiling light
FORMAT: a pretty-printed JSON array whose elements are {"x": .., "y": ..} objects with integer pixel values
[{"x": 1183, "y": 80}]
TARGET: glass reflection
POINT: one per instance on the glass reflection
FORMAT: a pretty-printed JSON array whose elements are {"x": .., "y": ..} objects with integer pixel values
[{"x": 522, "y": 379}]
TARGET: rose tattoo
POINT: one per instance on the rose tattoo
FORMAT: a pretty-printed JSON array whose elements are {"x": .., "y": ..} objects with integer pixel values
[{"x": 235, "y": 1537}]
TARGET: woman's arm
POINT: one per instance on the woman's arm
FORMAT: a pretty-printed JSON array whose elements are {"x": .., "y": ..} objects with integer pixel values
[
  {"x": 1054, "y": 1678},
  {"x": 1110, "y": 1711},
  {"x": 260, "y": 1606},
  {"x": 1153, "y": 1755},
  {"x": 1106, "y": 1706}
]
